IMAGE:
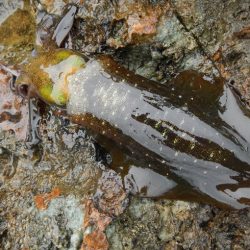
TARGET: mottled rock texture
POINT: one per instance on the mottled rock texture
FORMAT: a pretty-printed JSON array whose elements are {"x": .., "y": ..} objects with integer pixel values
[{"x": 156, "y": 39}]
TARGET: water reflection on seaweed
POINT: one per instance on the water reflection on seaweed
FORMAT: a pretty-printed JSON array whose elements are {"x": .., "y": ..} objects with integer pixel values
[
  {"x": 189, "y": 140},
  {"x": 188, "y": 132}
]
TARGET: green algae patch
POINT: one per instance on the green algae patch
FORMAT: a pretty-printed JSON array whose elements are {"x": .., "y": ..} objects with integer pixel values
[
  {"x": 17, "y": 36},
  {"x": 45, "y": 91},
  {"x": 62, "y": 55}
]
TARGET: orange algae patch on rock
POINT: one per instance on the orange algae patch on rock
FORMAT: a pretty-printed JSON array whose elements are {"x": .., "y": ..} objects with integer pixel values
[
  {"x": 14, "y": 114},
  {"x": 95, "y": 217},
  {"x": 141, "y": 21},
  {"x": 109, "y": 201},
  {"x": 42, "y": 200},
  {"x": 244, "y": 33},
  {"x": 96, "y": 240},
  {"x": 144, "y": 23},
  {"x": 218, "y": 55}
]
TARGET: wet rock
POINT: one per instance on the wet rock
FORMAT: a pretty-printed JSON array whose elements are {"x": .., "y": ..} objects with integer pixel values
[
  {"x": 171, "y": 50},
  {"x": 138, "y": 21},
  {"x": 119, "y": 23},
  {"x": 54, "y": 7},
  {"x": 189, "y": 34},
  {"x": 109, "y": 201},
  {"x": 110, "y": 197},
  {"x": 3, "y": 226},
  {"x": 137, "y": 228},
  {"x": 89, "y": 33},
  {"x": 13, "y": 109},
  {"x": 175, "y": 224},
  {"x": 62, "y": 222},
  {"x": 95, "y": 240},
  {"x": 49, "y": 185},
  {"x": 221, "y": 28},
  {"x": 42, "y": 200},
  {"x": 47, "y": 188},
  {"x": 95, "y": 222}
]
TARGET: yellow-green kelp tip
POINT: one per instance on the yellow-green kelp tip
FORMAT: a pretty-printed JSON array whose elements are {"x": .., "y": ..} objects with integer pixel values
[
  {"x": 63, "y": 54},
  {"x": 45, "y": 92},
  {"x": 53, "y": 96}
]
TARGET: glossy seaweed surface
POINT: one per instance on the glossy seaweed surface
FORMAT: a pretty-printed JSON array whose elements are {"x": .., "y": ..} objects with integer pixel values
[{"x": 189, "y": 140}]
